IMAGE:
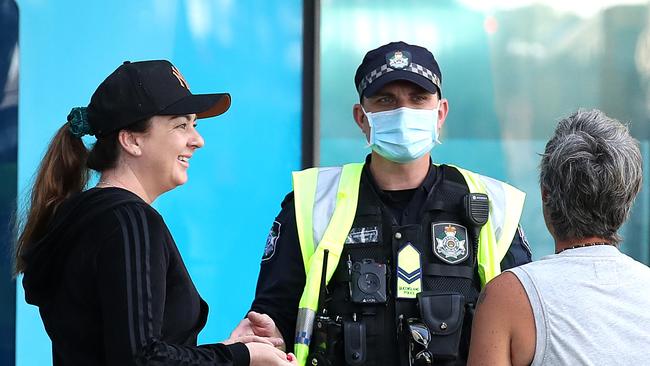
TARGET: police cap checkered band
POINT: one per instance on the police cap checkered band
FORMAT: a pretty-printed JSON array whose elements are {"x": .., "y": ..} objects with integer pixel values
[
  {"x": 398, "y": 61},
  {"x": 384, "y": 69}
]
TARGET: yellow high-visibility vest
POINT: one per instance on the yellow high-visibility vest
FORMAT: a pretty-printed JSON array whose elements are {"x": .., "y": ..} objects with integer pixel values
[{"x": 326, "y": 202}]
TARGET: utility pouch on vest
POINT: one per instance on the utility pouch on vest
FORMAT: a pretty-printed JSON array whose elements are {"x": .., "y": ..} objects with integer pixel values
[
  {"x": 443, "y": 313},
  {"x": 325, "y": 342},
  {"x": 354, "y": 340}
]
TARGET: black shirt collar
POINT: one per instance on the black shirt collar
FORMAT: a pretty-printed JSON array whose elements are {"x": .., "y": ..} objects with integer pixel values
[{"x": 426, "y": 185}]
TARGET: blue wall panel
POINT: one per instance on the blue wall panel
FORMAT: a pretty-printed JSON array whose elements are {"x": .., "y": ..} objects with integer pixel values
[{"x": 221, "y": 217}]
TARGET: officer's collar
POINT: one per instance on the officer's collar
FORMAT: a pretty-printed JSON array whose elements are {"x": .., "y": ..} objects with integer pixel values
[{"x": 427, "y": 184}]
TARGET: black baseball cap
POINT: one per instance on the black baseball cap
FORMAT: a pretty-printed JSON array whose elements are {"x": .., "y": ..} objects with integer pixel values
[
  {"x": 398, "y": 61},
  {"x": 140, "y": 90}
]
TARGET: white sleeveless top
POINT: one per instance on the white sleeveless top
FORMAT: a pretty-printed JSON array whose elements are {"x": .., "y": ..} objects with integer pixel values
[{"x": 591, "y": 307}]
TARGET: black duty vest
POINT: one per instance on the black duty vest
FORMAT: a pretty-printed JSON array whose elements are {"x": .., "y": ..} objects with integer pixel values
[{"x": 443, "y": 206}]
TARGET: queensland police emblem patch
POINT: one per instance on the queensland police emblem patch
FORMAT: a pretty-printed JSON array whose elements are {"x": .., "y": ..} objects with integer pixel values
[
  {"x": 450, "y": 242},
  {"x": 398, "y": 59},
  {"x": 271, "y": 241}
]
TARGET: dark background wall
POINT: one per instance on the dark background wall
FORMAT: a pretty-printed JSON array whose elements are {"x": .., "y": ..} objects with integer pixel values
[{"x": 8, "y": 172}]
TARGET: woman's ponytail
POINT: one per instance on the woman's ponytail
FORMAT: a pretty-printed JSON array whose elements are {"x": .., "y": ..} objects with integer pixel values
[{"x": 62, "y": 172}]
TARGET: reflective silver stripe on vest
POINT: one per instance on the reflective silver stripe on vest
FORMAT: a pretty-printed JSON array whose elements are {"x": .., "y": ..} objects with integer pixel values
[
  {"x": 498, "y": 199},
  {"x": 304, "y": 326},
  {"x": 327, "y": 186}
]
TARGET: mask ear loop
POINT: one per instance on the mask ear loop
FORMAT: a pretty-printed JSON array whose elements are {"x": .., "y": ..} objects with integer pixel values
[
  {"x": 370, "y": 140},
  {"x": 436, "y": 138}
]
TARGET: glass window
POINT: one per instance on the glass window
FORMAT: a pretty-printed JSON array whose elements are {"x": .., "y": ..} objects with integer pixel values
[{"x": 510, "y": 72}]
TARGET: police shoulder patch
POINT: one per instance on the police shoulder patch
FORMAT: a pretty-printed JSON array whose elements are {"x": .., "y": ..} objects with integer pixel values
[
  {"x": 271, "y": 241},
  {"x": 450, "y": 242}
]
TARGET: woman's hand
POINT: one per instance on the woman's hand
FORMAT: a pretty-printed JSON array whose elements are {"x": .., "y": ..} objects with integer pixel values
[
  {"x": 273, "y": 341},
  {"x": 263, "y": 354},
  {"x": 260, "y": 325}
]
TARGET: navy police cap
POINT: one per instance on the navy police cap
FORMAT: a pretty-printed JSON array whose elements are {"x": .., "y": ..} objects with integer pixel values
[{"x": 398, "y": 61}]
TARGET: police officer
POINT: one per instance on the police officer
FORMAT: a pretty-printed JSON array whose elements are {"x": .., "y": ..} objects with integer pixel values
[{"x": 405, "y": 245}]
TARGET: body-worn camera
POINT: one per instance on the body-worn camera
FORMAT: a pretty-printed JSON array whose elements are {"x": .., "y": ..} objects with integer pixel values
[{"x": 368, "y": 282}]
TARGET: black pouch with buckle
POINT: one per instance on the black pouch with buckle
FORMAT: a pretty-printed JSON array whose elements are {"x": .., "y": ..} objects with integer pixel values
[
  {"x": 354, "y": 340},
  {"x": 443, "y": 313}
]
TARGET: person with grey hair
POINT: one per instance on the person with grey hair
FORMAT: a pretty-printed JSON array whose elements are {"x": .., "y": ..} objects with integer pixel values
[{"x": 588, "y": 303}]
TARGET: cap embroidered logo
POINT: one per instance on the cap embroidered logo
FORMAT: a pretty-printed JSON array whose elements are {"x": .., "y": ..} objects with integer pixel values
[
  {"x": 398, "y": 59},
  {"x": 180, "y": 78}
]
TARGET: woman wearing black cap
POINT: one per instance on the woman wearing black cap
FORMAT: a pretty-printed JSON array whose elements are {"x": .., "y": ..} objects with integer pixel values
[{"x": 100, "y": 264}]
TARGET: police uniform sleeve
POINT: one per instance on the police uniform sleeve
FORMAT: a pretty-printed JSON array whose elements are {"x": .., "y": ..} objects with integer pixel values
[
  {"x": 131, "y": 275},
  {"x": 282, "y": 274},
  {"x": 518, "y": 253}
]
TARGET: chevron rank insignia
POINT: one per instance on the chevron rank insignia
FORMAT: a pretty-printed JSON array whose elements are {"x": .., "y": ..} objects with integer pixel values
[{"x": 409, "y": 272}]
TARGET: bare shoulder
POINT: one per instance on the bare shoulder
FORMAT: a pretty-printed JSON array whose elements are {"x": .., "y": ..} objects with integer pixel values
[
  {"x": 504, "y": 289},
  {"x": 504, "y": 327},
  {"x": 523, "y": 322}
]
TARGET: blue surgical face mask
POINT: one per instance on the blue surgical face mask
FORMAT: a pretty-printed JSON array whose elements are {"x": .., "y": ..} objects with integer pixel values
[{"x": 404, "y": 134}]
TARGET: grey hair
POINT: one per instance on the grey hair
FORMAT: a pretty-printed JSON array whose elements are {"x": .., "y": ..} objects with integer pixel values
[{"x": 591, "y": 172}]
